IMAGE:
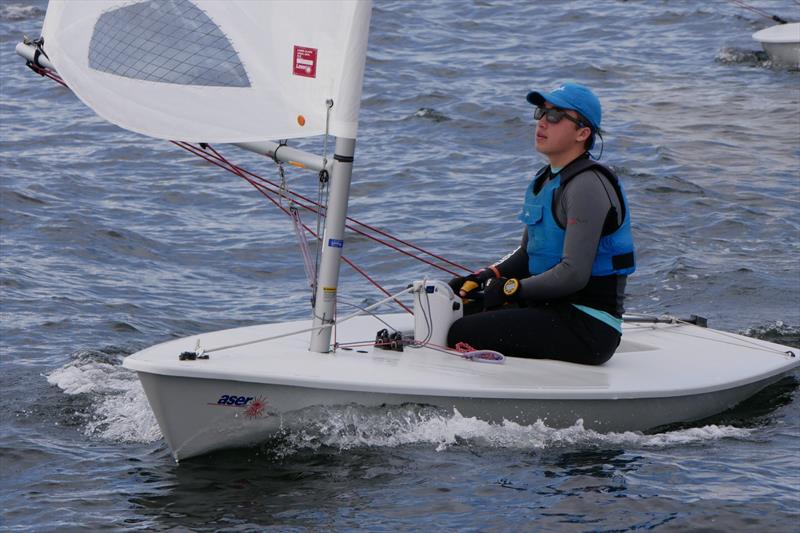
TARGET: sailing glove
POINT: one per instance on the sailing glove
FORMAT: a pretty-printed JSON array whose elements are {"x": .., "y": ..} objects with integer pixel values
[
  {"x": 501, "y": 292},
  {"x": 476, "y": 280}
]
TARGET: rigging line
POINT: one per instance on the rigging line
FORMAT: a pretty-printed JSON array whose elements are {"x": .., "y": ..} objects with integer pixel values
[
  {"x": 343, "y": 257},
  {"x": 464, "y": 356},
  {"x": 350, "y": 263},
  {"x": 735, "y": 340},
  {"x": 265, "y": 192},
  {"x": 239, "y": 172},
  {"x": 371, "y": 228},
  {"x": 759, "y": 11},
  {"x": 367, "y": 309},
  {"x": 279, "y": 189},
  {"x": 363, "y": 273},
  {"x": 373, "y": 315},
  {"x": 398, "y": 249},
  {"x": 362, "y": 224},
  {"x": 41, "y": 71},
  {"x": 301, "y": 238},
  {"x": 322, "y": 220},
  {"x": 322, "y": 184}
]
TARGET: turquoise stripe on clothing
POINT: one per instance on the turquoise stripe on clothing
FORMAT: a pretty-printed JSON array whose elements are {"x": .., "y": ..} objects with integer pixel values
[{"x": 602, "y": 316}]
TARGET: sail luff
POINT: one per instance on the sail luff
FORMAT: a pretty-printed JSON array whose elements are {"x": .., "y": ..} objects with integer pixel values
[{"x": 344, "y": 121}]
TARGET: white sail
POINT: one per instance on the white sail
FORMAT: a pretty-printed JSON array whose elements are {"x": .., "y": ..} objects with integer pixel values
[{"x": 214, "y": 70}]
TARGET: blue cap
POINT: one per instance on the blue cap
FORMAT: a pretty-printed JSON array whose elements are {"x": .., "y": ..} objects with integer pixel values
[{"x": 572, "y": 96}]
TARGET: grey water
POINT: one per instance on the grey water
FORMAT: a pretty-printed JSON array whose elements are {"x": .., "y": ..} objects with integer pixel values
[{"x": 111, "y": 242}]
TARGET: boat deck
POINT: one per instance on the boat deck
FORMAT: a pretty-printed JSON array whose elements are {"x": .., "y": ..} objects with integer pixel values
[{"x": 653, "y": 360}]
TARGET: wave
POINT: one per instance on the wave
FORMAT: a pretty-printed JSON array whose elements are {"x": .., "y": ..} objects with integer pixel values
[
  {"x": 17, "y": 12},
  {"x": 778, "y": 332}
]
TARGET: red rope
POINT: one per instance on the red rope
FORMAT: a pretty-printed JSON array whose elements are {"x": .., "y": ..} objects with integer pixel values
[
  {"x": 265, "y": 192},
  {"x": 41, "y": 71},
  {"x": 223, "y": 163},
  {"x": 367, "y": 226}
]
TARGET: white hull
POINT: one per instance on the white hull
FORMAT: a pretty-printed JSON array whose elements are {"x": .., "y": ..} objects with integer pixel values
[
  {"x": 782, "y": 43},
  {"x": 661, "y": 374},
  {"x": 784, "y": 53}
]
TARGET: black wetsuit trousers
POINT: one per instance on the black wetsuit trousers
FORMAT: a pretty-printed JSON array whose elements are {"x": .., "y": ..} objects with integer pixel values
[{"x": 557, "y": 331}]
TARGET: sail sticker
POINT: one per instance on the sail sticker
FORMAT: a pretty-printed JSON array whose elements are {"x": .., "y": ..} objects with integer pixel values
[
  {"x": 305, "y": 61},
  {"x": 336, "y": 243}
]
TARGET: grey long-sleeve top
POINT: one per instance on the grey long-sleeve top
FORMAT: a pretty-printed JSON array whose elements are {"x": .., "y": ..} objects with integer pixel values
[{"x": 581, "y": 209}]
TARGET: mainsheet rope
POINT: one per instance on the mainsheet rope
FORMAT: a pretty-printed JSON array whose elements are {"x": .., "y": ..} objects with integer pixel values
[
  {"x": 273, "y": 187},
  {"x": 266, "y": 193},
  {"x": 263, "y": 186},
  {"x": 47, "y": 73}
]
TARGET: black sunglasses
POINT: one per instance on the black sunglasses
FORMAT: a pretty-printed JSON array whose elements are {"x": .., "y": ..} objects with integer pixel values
[{"x": 554, "y": 116}]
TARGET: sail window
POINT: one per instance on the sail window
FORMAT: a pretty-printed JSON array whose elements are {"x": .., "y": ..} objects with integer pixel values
[{"x": 168, "y": 41}]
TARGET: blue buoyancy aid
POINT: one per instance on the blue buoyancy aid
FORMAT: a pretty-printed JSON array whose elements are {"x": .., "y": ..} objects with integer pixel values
[{"x": 615, "y": 251}]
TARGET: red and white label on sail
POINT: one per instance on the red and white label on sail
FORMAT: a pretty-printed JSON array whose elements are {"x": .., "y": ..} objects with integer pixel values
[{"x": 305, "y": 61}]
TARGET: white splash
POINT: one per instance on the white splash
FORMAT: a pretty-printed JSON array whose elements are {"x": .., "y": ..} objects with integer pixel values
[
  {"x": 120, "y": 411},
  {"x": 350, "y": 427}
]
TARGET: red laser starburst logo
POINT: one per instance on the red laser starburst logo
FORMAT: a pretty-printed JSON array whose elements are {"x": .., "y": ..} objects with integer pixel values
[{"x": 255, "y": 409}]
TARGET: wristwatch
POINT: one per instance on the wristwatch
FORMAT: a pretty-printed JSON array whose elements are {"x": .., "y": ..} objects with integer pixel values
[{"x": 510, "y": 287}]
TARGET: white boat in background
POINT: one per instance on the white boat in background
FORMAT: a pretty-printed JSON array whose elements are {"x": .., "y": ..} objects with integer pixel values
[
  {"x": 782, "y": 43},
  {"x": 263, "y": 71}
]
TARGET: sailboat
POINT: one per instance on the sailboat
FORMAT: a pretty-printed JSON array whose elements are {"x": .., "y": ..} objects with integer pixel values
[{"x": 255, "y": 74}]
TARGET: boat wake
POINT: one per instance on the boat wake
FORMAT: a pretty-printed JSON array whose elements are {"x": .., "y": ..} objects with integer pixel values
[{"x": 118, "y": 411}]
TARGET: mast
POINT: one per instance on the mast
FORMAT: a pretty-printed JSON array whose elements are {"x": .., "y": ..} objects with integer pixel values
[
  {"x": 332, "y": 244},
  {"x": 344, "y": 125}
]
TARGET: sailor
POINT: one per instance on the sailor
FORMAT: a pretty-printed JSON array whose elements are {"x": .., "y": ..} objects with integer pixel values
[{"x": 560, "y": 294}]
